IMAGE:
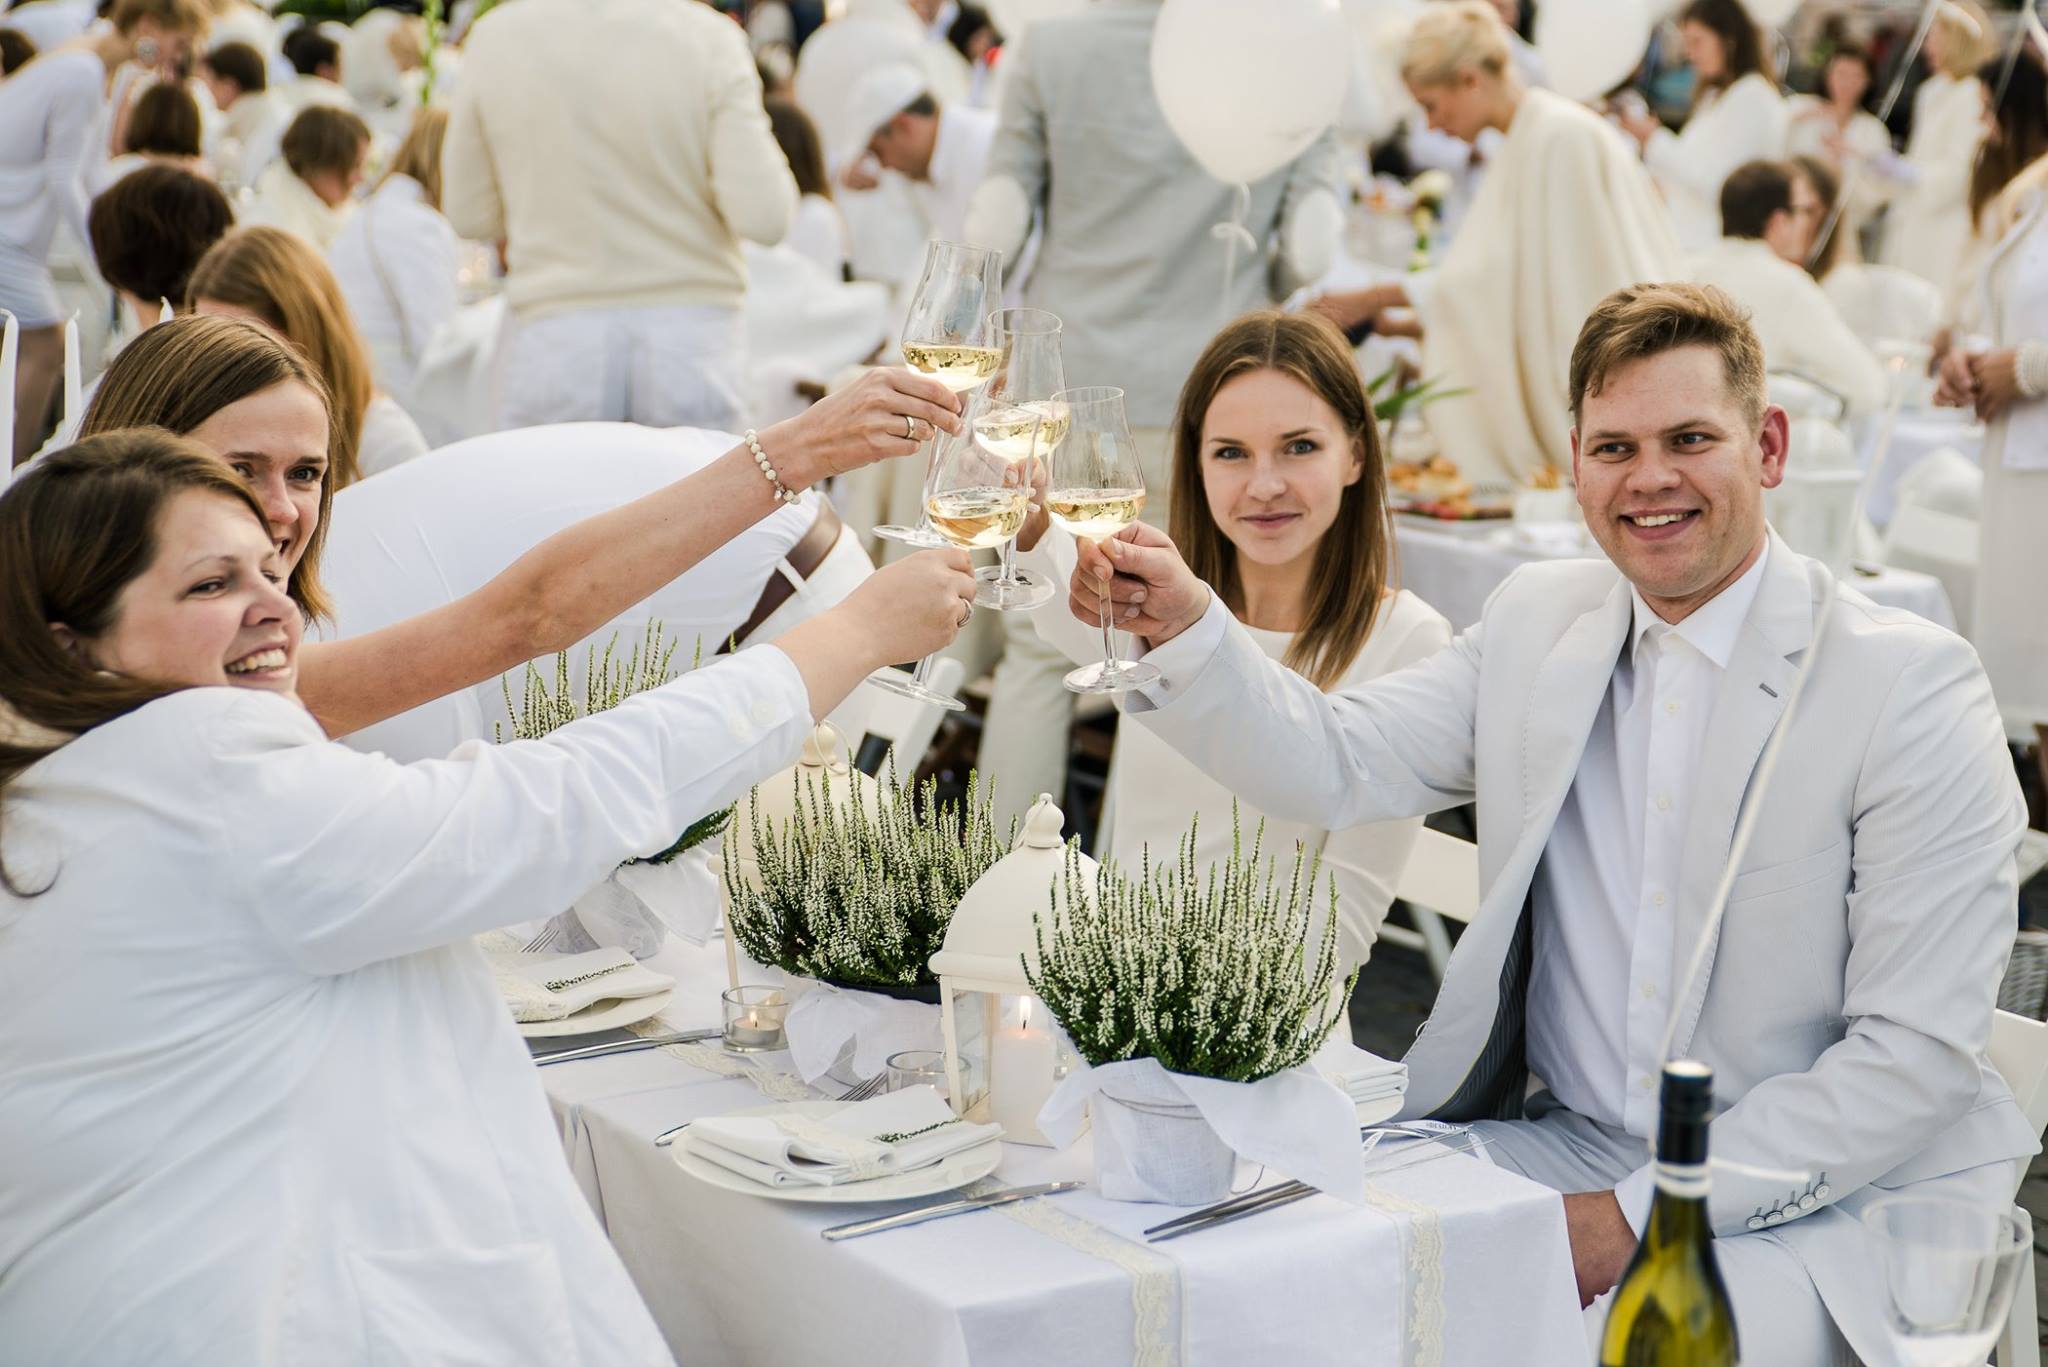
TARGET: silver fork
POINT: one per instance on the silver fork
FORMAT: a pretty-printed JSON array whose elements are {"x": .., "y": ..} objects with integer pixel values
[{"x": 860, "y": 1091}]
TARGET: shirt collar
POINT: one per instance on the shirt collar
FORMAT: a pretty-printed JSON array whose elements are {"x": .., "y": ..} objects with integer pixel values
[{"x": 1710, "y": 628}]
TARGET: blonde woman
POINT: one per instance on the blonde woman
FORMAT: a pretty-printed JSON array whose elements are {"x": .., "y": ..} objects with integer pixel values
[
  {"x": 272, "y": 277},
  {"x": 396, "y": 258},
  {"x": 1280, "y": 505},
  {"x": 1928, "y": 226}
]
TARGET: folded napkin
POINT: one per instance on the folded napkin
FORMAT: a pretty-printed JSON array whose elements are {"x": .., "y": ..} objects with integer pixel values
[
  {"x": 896, "y": 1132},
  {"x": 1360, "y": 1075},
  {"x": 548, "y": 987}
]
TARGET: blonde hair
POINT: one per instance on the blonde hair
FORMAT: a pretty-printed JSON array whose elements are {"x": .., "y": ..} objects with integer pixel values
[
  {"x": 1640, "y": 321},
  {"x": 1966, "y": 42},
  {"x": 178, "y": 16},
  {"x": 419, "y": 156},
  {"x": 1452, "y": 38},
  {"x": 281, "y": 278}
]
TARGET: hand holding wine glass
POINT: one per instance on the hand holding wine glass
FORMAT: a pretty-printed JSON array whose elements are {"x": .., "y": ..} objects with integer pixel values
[
  {"x": 1150, "y": 590},
  {"x": 1097, "y": 490}
]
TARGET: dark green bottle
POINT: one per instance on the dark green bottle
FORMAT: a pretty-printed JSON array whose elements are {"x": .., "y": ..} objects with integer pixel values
[{"x": 1671, "y": 1308}]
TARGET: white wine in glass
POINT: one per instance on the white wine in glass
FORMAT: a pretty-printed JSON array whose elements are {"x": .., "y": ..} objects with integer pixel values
[
  {"x": 975, "y": 519},
  {"x": 1019, "y": 431},
  {"x": 946, "y": 336},
  {"x": 1022, "y": 424},
  {"x": 1097, "y": 490}
]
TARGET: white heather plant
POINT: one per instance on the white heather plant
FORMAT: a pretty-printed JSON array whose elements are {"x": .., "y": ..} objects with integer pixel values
[
  {"x": 860, "y": 895},
  {"x": 1207, "y": 972}
]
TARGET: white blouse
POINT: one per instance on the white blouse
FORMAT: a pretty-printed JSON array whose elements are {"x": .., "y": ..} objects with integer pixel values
[
  {"x": 819, "y": 233},
  {"x": 390, "y": 437},
  {"x": 1156, "y": 793},
  {"x": 1743, "y": 123},
  {"x": 396, "y": 261},
  {"x": 259, "y": 1098}
]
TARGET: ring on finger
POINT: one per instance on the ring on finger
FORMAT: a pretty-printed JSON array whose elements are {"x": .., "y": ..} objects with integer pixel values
[
  {"x": 966, "y": 612},
  {"x": 909, "y": 428}
]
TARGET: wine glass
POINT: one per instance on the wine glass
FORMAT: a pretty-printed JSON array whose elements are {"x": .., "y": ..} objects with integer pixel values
[
  {"x": 946, "y": 336},
  {"x": 1096, "y": 488},
  {"x": 974, "y": 499},
  {"x": 1021, "y": 422},
  {"x": 1950, "y": 1268}
]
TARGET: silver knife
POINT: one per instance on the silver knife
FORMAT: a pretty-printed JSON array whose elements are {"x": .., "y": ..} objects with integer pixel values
[
  {"x": 626, "y": 1046},
  {"x": 941, "y": 1211}
]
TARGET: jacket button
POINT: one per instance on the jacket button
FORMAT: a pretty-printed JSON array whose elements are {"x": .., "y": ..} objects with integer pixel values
[
  {"x": 1776, "y": 1217},
  {"x": 1821, "y": 1191},
  {"x": 1808, "y": 1202},
  {"x": 1756, "y": 1222}
]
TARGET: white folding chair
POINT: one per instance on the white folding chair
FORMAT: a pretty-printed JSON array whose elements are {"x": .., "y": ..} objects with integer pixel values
[
  {"x": 2019, "y": 1051},
  {"x": 1441, "y": 880},
  {"x": 907, "y": 724}
]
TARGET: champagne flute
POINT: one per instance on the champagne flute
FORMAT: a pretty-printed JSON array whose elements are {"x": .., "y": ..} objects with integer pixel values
[
  {"x": 1097, "y": 489},
  {"x": 1022, "y": 423},
  {"x": 974, "y": 499},
  {"x": 1950, "y": 1268},
  {"x": 946, "y": 336}
]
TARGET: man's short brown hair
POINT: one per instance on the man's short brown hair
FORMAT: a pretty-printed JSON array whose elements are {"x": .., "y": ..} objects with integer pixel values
[
  {"x": 1640, "y": 321},
  {"x": 1752, "y": 193},
  {"x": 323, "y": 138}
]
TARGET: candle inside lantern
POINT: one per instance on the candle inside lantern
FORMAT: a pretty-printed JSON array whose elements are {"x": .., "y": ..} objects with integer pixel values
[
  {"x": 754, "y": 1018},
  {"x": 1021, "y": 1061}
]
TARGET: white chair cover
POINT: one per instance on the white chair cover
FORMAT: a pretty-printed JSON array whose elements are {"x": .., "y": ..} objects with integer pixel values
[
  {"x": 1934, "y": 529},
  {"x": 434, "y": 529}
]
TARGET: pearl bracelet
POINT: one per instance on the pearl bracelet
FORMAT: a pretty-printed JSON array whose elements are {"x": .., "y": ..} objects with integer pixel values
[{"x": 782, "y": 491}]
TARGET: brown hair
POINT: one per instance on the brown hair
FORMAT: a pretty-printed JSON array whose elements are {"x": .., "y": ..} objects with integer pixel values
[
  {"x": 1742, "y": 42},
  {"x": 419, "y": 156},
  {"x": 1827, "y": 188},
  {"x": 282, "y": 279},
  {"x": 323, "y": 138},
  {"x": 15, "y": 50},
  {"x": 1640, "y": 321},
  {"x": 178, "y": 374},
  {"x": 2022, "y": 128},
  {"x": 165, "y": 120},
  {"x": 1752, "y": 193},
  {"x": 1352, "y": 560},
  {"x": 150, "y": 227},
  {"x": 75, "y": 530},
  {"x": 240, "y": 63},
  {"x": 178, "y": 16},
  {"x": 798, "y": 138}
]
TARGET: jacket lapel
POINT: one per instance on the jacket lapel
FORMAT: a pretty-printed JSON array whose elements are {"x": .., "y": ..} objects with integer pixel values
[{"x": 1747, "y": 708}]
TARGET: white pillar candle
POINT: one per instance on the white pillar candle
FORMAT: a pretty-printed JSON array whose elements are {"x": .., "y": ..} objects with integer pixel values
[
  {"x": 10, "y": 340},
  {"x": 1020, "y": 1063},
  {"x": 74, "y": 376}
]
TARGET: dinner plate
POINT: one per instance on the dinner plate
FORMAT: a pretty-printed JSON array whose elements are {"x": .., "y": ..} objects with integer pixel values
[
  {"x": 602, "y": 1015},
  {"x": 957, "y": 1171}
]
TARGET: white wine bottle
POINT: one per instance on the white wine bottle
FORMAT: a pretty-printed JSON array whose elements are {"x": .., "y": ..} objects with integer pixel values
[{"x": 1671, "y": 1308}]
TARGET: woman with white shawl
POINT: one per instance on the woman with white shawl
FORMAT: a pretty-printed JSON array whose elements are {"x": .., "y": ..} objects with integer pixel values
[
  {"x": 1563, "y": 217},
  {"x": 1927, "y": 229}
]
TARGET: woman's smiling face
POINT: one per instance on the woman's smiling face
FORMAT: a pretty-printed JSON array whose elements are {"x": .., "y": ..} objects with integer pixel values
[
  {"x": 277, "y": 440},
  {"x": 1275, "y": 464}
]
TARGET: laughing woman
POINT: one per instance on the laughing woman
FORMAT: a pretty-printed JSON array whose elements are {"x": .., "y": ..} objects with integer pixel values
[
  {"x": 261, "y": 1100},
  {"x": 1275, "y": 430}
]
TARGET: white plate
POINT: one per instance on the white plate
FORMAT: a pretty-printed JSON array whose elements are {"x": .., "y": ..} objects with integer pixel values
[
  {"x": 604, "y": 1015},
  {"x": 966, "y": 1166}
]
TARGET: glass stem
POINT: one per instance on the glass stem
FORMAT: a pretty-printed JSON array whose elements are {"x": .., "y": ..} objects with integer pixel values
[
  {"x": 931, "y": 469},
  {"x": 1008, "y": 578},
  {"x": 923, "y": 672},
  {"x": 1109, "y": 657}
]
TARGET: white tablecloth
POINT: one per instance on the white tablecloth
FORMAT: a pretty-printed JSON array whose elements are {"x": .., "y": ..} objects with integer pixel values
[
  {"x": 1455, "y": 1261},
  {"x": 1917, "y": 435},
  {"x": 1454, "y": 566}
]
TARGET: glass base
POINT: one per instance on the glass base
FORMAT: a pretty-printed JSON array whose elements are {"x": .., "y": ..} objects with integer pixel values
[
  {"x": 1021, "y": 592},
  {"x": 903, "y": 685},
  {"x": 1103, "y": 677},
  {"x": 911, "y": 536}
]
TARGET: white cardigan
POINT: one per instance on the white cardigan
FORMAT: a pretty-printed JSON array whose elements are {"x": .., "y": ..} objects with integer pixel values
[
  {"x": 259, "y": 1098},
  {"x": 1156, "y": 792},
  {"x": 1743, "y": 123}
]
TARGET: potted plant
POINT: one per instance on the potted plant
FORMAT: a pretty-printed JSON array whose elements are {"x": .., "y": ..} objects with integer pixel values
[{"x": 1196, "y": 1000}]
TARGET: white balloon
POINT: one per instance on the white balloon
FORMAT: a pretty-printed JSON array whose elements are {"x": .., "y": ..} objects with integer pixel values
[
  {"x": 1590, "y": 46},
  {"x": 1771, "y": 13},
  {"x": 1014, "y": 16},
  {"x": 1247, "y": 87}
]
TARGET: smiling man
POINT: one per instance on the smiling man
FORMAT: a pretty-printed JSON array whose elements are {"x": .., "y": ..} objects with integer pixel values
[{"x": 1607, "y": 718}]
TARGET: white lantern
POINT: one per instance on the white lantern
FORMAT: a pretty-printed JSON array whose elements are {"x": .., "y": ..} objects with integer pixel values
[
  {"x": 1002, "y": 1055},
  {"x": 825, "y": 769}
]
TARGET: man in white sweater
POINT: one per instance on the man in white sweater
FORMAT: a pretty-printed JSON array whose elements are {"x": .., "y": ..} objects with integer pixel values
[{"x": 622, "y": 151}]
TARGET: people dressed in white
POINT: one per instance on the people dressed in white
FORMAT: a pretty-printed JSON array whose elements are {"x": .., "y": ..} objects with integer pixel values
[
  {"x": 1608, "y": 718},
  {"x": 1737, "y": 116},
  {"x": 1927, "y": 227},
  {"x": 397, "y": 259},
  {"x": 263, "y": 1099},
  {"x": 622, "y": 151},
  {"x": 315, "y": 60},
  {"x": 1769, "y": 214},
  {"x": 1837, "y": 127},
  {"x": 253, "y": 116},
  {"x": 941, "y": 149},
  {"x": 310, "y": 189},
  {"x": 818, "y": 232}
]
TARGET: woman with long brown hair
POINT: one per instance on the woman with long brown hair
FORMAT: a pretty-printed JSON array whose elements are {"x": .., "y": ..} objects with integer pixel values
[
  {"x": 276, "y": 278},
  {"x": 1280, "y": 506},
  {"x": 251, "y": 398},
  {"x": 247, "y": 1040}
]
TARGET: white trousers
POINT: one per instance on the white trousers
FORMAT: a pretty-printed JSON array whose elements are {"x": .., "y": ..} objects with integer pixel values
[
  {"x": 1778, "y": 1313},
  {"x": 660, "y": 367}
]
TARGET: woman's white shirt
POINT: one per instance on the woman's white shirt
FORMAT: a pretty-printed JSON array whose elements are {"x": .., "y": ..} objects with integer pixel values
[
  {"x": 390, "y": 437},
  {"x": 1742, "y": 123},
  {"x": 819, "y": 232},
  {"x": 1156, "y": 792},
  {"x": 396, "y": 260},
  {"x": 1928, "y": 230},
  {"x": 259, "y": 1098},
  {"x": 284, "y": 201}
]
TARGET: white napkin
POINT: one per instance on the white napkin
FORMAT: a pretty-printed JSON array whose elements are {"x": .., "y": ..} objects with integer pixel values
[
  {"x": 548, "y": 987},
  {"x": 1360, "y": 1075},
  {"x": 894, "y": 1133},
  {"x": 826, "y": 1019}
]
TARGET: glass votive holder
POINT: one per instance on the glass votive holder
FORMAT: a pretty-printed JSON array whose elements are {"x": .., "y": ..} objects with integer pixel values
[
  {"x": 754, "y": 1017},
  {"x": 917, "y": 1067}
]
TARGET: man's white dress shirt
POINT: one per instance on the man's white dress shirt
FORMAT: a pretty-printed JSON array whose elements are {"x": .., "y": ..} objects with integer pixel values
[{"x": 1600, "y": 984}]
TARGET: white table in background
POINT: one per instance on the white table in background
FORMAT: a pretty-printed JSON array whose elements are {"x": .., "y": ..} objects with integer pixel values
[
  {"x": 1918, "y": 433},
  {"x": 1453, "y": 567},
  {"x": 1456, "y": 1262}
]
